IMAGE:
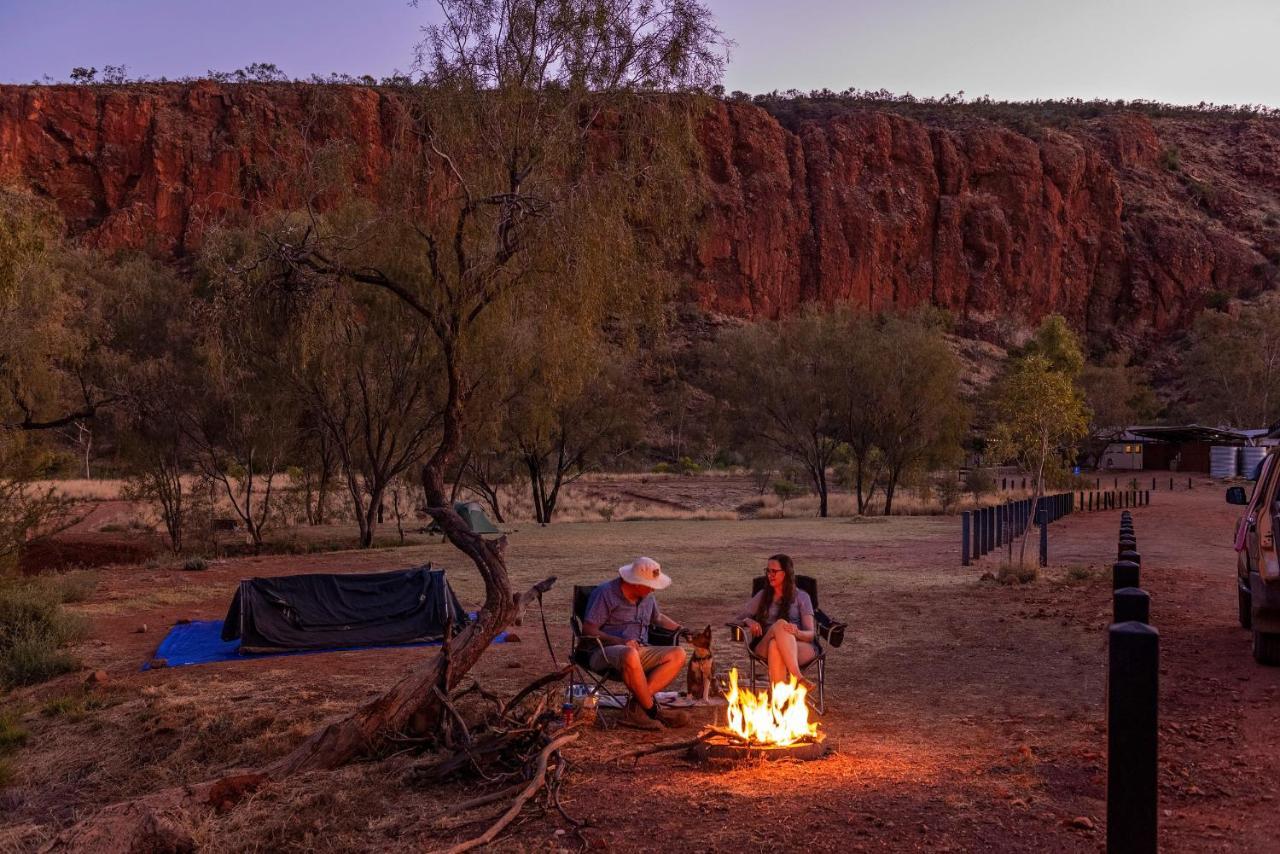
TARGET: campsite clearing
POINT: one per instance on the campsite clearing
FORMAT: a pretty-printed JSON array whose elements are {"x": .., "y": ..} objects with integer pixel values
[{"x": 966, "y": 715}]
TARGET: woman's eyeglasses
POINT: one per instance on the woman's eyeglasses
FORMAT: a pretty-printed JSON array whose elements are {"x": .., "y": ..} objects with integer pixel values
[{"x": 768, "y": 570}]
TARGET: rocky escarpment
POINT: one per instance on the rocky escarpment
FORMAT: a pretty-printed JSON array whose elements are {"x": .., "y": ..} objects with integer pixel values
[{"x": 1127, "y": 225}]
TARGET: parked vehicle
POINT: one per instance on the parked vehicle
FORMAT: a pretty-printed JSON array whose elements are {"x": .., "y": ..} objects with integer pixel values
[{"x": 1258, "y": 563}]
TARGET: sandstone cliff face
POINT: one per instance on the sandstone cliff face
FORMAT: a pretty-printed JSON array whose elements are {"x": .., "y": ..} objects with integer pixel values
[{"x": 1124, "y": 224}]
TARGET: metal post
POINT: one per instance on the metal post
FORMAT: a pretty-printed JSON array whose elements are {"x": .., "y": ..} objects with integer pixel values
[
  {"x": 964, "y": 538},
  {"x": 1044, "y": 536},
  {"x": 991, "y": 529},
  {"x": 1133, "y": 697},
  {"x": 1171, "y": 484},
  {"x": 999, "y": 523},
  {"x": 1125, "y": 574},
  {"x": 1131, "y": 604}
]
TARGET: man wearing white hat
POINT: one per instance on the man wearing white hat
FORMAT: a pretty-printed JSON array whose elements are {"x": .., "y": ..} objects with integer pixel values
[{"x": 620, "y": 613}]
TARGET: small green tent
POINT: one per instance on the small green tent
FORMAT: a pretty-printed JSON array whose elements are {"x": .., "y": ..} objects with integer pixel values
[{"x": 473, "y": 514}]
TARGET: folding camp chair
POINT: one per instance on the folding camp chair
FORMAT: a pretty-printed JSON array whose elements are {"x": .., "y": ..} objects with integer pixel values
[
  {"x": 832, "y": 631},
  {"x": 596, "y": 682}
]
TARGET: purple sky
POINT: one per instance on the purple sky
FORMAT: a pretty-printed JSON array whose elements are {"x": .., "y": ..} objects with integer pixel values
[{"x": 1227, "y": 51}]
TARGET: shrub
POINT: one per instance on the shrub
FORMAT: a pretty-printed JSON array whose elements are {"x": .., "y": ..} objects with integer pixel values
[
  {"x": 979, "y": 482},
  {"x": 1080, "y": 573},
  {"x": 785, "y": 489},
  {"x": 34, "y": 628},
  {"x": 1171, "y": 159},
  {"x": 1013, "y": 573},
  {"x": 195, "y": 564},
  {"x": 12, "y": 733},
  {"x": 662, "y": 468},
  {"x": 76, "y": 586},
  {"x": 1217, "y": 300},
  {"x": 947, "y": 489},
  {"x": 688, "y": 466}
]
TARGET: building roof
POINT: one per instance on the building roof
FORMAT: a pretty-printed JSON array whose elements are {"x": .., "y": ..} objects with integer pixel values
[{"x": 1195, "y": 433}]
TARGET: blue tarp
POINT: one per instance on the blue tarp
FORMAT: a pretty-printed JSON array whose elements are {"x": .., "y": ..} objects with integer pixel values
[{"x": 200, "y": 642}]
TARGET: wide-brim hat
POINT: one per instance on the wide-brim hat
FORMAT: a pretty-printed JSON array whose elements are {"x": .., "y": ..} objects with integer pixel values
[{"x": 645, "y": 571}]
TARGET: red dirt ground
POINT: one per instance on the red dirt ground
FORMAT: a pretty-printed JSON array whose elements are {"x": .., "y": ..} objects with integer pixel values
[{"x": 967, "y": 715}]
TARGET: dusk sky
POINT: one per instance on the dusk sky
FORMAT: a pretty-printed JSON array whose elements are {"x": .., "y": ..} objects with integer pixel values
[{"x": 1182, "y": 51}]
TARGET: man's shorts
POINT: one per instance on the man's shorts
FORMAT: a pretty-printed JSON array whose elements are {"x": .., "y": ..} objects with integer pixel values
[{"x": 611, "y": 656}]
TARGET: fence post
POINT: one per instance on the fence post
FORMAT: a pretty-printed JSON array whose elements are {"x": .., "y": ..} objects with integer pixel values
[
  {"x": 1133, "y": 699},
  {"x": 1125, "y": 574},
  {"x": 1131, "y": 604},
  {"x": 964, "y": 538},
  {"x": 1131, "y": 555},
  {"x": 1188, "y": 483}
]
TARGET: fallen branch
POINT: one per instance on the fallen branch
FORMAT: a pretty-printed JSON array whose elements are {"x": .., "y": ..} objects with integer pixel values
[
  {"x": 539, "y": 777},
  {"x": 540, "y": 682},
  {"x": 665, "y": 746},
  {"x": 482, "y": 800}
]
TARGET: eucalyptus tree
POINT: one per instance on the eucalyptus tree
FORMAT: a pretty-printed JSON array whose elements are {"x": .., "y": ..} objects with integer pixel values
[
  {"x": 541, "y": 170},
  {"x": 779, "y": 383}
]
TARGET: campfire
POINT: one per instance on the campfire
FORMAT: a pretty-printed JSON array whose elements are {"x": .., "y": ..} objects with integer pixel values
[
  {"x": 771, "y": 724},
  {"x": 777, "y": 718}
]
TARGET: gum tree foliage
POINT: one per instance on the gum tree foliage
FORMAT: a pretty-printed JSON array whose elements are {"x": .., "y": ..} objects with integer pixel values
[
  {"x": 1118, "y": 395},
  {"x": 539, "y": 175},
  {"x": 559, "y": 430},
  {"x": 883, "y": 392},
  {"x": 920, "y": 415},
  {"x": 42, "y": 354},
  {"x": 1232, "y": 368},
  {"x": 779, "y": 386},
  {"x": 1039, "y": 415}
]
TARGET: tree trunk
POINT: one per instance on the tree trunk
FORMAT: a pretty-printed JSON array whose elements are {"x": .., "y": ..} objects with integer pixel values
[{"x": 411, "y": 705}]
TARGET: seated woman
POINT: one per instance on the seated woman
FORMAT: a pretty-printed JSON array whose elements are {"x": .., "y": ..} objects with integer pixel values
[{"x": 780, "y": 621}]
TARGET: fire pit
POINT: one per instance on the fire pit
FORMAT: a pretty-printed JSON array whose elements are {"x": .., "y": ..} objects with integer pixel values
[{"x": 768, "y": 726}]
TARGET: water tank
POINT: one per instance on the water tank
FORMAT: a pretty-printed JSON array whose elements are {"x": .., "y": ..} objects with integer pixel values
[
  {"x": 1250, "y": 459},
  {"x": 1223, "y": 461}
]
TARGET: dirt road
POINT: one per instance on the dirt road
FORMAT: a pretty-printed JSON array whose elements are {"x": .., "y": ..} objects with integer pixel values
[{"x": 967, "y": 715}]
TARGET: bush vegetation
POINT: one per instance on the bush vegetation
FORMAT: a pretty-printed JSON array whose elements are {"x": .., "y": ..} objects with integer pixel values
[{"x": 35, "y": 629}]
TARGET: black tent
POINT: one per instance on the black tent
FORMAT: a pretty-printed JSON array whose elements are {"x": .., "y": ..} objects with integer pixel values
[{"x": 328, "y": 611}]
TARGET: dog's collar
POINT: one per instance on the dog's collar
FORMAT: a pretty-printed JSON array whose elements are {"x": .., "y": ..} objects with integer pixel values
[{"x": 699, "y": 654}]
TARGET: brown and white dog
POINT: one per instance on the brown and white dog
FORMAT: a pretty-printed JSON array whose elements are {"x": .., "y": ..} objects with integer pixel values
[{"x": 702, "y": 667}]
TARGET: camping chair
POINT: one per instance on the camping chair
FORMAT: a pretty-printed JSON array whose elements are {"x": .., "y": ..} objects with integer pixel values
[
  {"x": 832, "y": 631},
  {"x": 583, "y": 647}
]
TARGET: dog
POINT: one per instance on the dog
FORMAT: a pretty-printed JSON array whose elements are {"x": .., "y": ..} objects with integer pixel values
[{"x": 702, "y": 667}]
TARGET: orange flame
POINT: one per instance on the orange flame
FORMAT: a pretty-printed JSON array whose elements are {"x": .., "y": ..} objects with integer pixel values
[{"x": 778, "y": 717}]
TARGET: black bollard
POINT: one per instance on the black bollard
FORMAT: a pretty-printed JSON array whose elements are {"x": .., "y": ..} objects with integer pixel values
[
  {"x": 1130, "y": 555},
  {"x": 964, "y": 538},
  {"x": 1126, "y": 545},
  {"x": 1125, "y": 574},
  {"x": 1171, "y": 484},
  {"x": 1131, "y": 604},
  {"x": 1133, "y": 696}
]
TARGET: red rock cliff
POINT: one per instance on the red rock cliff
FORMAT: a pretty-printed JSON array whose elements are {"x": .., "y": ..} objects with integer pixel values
[{"x": 1124, "y": 224}]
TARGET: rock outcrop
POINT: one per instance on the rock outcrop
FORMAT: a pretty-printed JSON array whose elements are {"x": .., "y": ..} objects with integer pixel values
[{"x": 1127, "y": 225}]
